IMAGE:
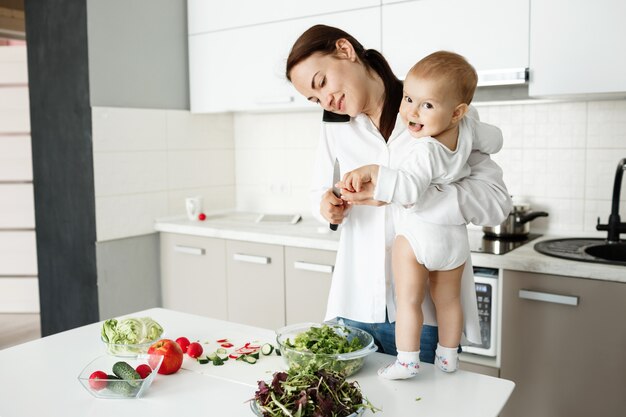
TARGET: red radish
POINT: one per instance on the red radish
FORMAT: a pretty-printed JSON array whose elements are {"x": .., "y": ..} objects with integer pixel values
[
  {"x": 234, "y": 356},
  {"x": 183, "y": 342},
  {"x": 222, "y": 340},
  {"x": 143, "y": 370},
  {"x": 201, "y": 216},
  {"x": 98, "y": 380},
  {"x": 227, "y": 345},
  {"x": 194, "y": 350}
]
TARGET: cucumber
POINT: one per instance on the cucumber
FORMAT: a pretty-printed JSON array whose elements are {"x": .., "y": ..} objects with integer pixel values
[
  {"x": 203, "y": 361},
  {"x": 122, "y": 387},
  {"x": 267, "y": 349},
  {"x": 222, "y": 351},
  {"x": 126, "y": 372},
  {"x": 212, "y": 356},
  {"x": 249, "y": 359},
  {"x": 254, "y": 355},
  {"x": 218, "y": 362}
]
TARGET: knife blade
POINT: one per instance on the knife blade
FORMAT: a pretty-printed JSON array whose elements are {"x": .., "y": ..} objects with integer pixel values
[{"x": 336, "y": 178}]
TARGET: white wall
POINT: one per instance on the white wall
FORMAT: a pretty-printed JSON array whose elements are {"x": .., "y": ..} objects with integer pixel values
[
  {"x": 147, "y": 161},
  {"x": 560, "y": 157}
]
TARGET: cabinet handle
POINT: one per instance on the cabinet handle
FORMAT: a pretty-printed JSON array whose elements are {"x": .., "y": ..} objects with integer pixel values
[
  {"x": 252, "y": 259},
  {"x": 569, "y": 300},
  {"x": 509, "y": 76},
  {"x": 189, "y": 250},
  {"x": 267, "y": 101},
  {"x": 307, "y": 266}
]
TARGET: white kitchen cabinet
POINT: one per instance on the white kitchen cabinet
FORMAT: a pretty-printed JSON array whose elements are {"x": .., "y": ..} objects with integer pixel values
[
  {"x": 563, "y": 344},
  {"x": 256, "y": 284},
  {"x": 244, "y": 69},
  {"x": 574, "y": 47},
  {"x": 491, "y": 34},
  {"x": 208, "y": 16},
  {"x": 193, "y": 275},
  {"x": 17, "y": 210},
  {"x": 15, "y": 158},
  {"x": 308, "y": 274}
]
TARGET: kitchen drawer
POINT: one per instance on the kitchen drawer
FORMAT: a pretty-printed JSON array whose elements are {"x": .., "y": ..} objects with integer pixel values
[
  {"x": 19, "y": 295},
  {"x": 18, "y": 253},
  {"x": 256, "y": 285},
  {"x": 17, "y": 210},
  {"x": 13, "y": 65},
  {"x": 14, "y": 98},
  {"x": 308, "y": 274},
  {"x": 193, "y": 274},
  {"x": 15, "y": 158}
]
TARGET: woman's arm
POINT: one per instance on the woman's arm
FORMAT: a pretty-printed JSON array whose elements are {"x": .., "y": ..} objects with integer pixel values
[{"x": 481, "y": 198}]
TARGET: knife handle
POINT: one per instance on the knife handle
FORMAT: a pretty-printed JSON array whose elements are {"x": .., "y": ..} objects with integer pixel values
[{"x": 333, "y": 227}]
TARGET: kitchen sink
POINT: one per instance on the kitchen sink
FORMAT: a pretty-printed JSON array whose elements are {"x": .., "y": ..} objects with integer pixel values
[{"x": 585, "y": 249}]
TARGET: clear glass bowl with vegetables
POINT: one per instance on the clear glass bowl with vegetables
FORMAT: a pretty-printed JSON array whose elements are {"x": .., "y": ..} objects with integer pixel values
[
  {"x": 336, "y": 348},
  {"x": 130, "y": 336},
  {"x": 113, "y": 377}
]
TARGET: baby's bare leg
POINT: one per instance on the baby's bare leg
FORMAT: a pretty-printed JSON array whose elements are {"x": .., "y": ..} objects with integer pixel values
[
  {"x": 445, "y": 290},
  {"x": 410, "y": 282}
]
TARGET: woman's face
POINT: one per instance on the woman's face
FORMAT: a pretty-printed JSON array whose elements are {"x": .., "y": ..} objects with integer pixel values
[{"x": 339, "y": 83}]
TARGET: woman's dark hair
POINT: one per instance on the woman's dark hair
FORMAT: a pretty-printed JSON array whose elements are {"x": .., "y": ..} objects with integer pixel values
[{"x": 323, "y": 39}]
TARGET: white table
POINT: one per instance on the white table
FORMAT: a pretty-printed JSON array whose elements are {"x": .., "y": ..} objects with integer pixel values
[{"x": 39, "y": 378}]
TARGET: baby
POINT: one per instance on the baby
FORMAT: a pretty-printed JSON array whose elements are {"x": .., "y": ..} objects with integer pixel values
[{"x": 437, "y": 93}]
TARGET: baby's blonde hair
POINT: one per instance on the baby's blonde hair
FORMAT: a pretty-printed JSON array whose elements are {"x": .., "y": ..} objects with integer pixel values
[{"x": 452, "y": 67}]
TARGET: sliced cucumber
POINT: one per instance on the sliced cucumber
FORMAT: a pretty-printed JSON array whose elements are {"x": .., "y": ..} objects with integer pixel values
[
  {"x": 249, "y": 359},
  {"x": 218, "y": 362},
  {"x": 221, "y": 351},
  {"x": 203, "y": 361},
  {"x": 212, "y": 356},
  {"x": 267, "y": 349}
]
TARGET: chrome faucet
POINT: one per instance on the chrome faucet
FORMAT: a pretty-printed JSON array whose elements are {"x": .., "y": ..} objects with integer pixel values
[{"x": 615, "y": 226}]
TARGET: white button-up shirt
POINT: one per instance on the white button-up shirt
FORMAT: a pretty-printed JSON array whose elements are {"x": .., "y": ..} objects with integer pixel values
[{"x": 362, "y": 285}]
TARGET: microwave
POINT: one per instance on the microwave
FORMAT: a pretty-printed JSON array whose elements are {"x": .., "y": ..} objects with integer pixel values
[{"x": 486, "y": 281}]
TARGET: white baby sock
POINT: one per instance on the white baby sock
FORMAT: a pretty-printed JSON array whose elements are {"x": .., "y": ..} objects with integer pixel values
[
  {"x": 407, "y": 365},
  {"x": 447, "y": 359}
]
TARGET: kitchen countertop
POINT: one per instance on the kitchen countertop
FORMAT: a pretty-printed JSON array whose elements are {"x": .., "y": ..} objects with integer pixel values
[
  {"x": 311, "y": 234},
  {"x": 40, "y": 378}
]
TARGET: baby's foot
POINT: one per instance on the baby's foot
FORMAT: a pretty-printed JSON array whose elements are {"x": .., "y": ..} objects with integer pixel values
[
  {"x": 446, "y": 359},
  {"x": 399, "y": 370}
]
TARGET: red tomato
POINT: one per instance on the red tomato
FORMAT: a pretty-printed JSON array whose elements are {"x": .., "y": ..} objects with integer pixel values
[
  {"x": 143, "y": 370},
  {"x": 98, "y": 380}
]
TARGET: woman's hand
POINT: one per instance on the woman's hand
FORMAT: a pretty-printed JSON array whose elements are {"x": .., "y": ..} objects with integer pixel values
[
  {"x": 363, "y": 197},
  {"x": 333, "y": 208}
]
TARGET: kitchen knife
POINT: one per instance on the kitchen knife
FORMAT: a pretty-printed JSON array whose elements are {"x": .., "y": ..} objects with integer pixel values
[{"x": 336, "y": 178}]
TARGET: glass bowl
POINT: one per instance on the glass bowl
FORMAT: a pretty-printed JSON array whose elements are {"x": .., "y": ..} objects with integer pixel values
[
  {"x": 256, "y": 409},
  {"x": 343, "y": 363},
  {"x": 119, "y": 388},
  {"x": 128, "y": 350}
]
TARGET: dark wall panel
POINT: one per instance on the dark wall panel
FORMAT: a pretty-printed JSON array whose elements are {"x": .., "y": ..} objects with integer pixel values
[{"x": 56, "y": 33}]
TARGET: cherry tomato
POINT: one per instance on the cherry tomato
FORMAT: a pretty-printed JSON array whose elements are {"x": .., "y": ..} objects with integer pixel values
[
  {"x": 143, "y": 370},
  {"x": 98, "y": 380}
]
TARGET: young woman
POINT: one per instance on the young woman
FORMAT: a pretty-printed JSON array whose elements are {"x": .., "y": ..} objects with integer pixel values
[{"x": 328, "y": 66}]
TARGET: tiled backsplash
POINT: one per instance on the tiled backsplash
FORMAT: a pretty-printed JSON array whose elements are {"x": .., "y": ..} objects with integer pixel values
[
  {"x": 146, "y": 162},
  {"x": 560, "y": 157}
]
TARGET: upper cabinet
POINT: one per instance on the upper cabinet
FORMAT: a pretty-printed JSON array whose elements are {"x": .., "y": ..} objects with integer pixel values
[
  {"x": 491, "y": 34},
  {"x": 574, "y": 47},
  {"x": 208, "y": 16},
  {"x": 244, "y": 69}
]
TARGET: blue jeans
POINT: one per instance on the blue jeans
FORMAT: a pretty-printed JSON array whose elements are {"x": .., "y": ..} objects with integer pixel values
[{"x": 385, "y": 337}]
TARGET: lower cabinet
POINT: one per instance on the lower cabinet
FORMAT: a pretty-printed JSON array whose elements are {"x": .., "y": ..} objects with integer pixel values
[
  {"x": 308, "y": 273},
  {"x": 193, "y": 275},
  {"x": 564, "y": 346},
  {"x": 256, "y": 289}
]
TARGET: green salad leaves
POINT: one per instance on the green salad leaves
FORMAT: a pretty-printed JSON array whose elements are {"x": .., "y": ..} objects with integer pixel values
[
  {"x": 325, "y": 340},
  {"x": 130, "y": 331}
]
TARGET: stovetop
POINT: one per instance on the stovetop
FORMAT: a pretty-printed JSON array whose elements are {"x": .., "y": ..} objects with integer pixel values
[{"x": 497, "y": 246}]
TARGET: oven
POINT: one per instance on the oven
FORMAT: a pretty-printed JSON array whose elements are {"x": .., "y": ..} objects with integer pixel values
[{"x": 486, "y": 282}]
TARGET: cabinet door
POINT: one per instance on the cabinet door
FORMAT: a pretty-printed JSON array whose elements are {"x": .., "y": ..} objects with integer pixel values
[
  {"x": 574, "y": 47},
  {"x": 566, "y": 360},
  {"x": 205, "y": 16},
  {"x": 244, "y": 69},
  {"x": 193, "y": 275},
  {"x": 308, "y": 273},
  {"x": 256, "y": 284},
  {"x": 490, "y": 34}
]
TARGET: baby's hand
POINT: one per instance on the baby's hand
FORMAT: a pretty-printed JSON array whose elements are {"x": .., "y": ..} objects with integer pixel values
[{"x": 353, "y": 181}]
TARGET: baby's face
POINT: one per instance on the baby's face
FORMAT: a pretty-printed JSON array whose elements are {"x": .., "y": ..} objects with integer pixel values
[{"x": 427, "y": 106}]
